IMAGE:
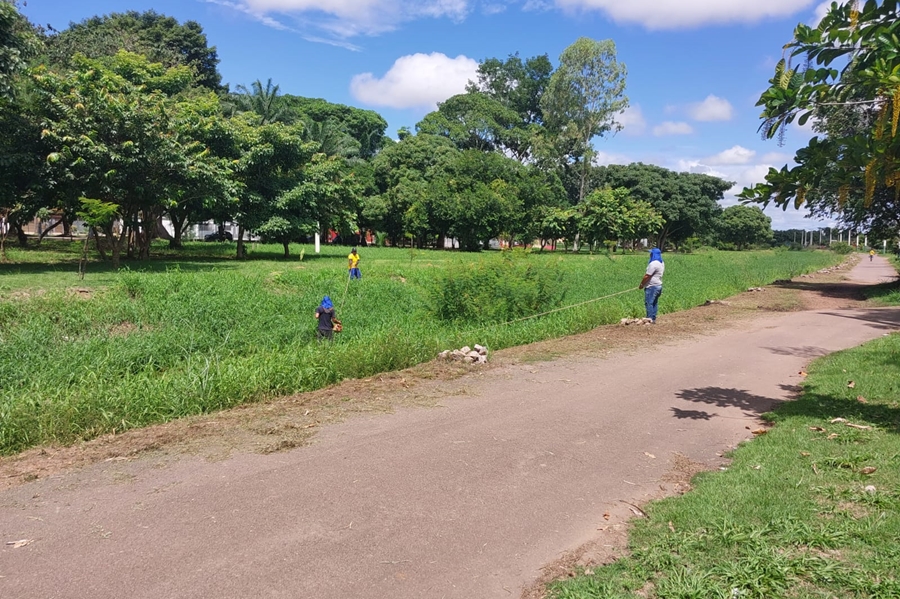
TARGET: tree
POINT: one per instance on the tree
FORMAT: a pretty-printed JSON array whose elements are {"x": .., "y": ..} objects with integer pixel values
[
  {"x": 18, "y": 43},
  {"x": 367, "y": 127},
  {"x": 160, "y": 38},
  {"x": 687, "y": 202},
  {"x": 109, "y": 138},
  {"x": 264, "y": 102},
  {"x": 848, "y": 83},
  {"x": 744, "y": 225},
  {"x": 472, "y": 121},
  {"x": 473, "y": 199},
  {"x": 583, "y": 97},
  {"x": 402, "y": 172},
  {"x": 518, "y": 87}
]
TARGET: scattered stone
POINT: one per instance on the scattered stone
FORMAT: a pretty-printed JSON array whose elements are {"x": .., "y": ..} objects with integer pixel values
[
  {"x": 761, "y": 288},
  {"x": 466, "y": 354},
  {"x": 716, "y": 302},
  {"x": 630, "y": 321},
  {"x": 870, "y": 489}
]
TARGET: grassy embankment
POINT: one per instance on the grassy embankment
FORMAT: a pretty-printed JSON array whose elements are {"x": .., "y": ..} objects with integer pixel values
[
  {"x": 809, "y": 510},
  {"x": 204, "y": 332}
]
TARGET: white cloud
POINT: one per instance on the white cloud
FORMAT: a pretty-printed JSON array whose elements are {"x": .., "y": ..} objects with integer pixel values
[
  {"x": 713, "y": 108},
  {"x": 681, "y": 14},
  {"x": 672, "y": 128},
  {"x": 733, "y": 155},
  {"x": 777, "y": 158},
  {"x": 605, "y": 158},
  {"x": 347, "y": 18},
  {"x": 632, "y": 120},
  {"x": 416, "y": 81},
  {"x": 820, "y": 12}
]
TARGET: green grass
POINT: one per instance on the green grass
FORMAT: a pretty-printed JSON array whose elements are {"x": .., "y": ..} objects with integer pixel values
[
  {"x": 197, "y": 331},
  {"x": 791, "y": 517}
]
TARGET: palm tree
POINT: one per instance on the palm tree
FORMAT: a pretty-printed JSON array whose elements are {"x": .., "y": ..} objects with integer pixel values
[
  {"x": 332, "y": 139},
  {"x": 265, "y": 102}
]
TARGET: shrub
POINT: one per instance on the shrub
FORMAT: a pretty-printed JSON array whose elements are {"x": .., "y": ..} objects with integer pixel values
[
  {"x": 841, "y": 247},
  {"x": 495, "y": 290}
]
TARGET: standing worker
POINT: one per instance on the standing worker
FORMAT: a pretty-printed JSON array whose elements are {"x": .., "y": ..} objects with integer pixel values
[
  {"x": 326, "y": 317},
  {"x": 353, "y": 264},
  {"x": 652, "y": 283}
]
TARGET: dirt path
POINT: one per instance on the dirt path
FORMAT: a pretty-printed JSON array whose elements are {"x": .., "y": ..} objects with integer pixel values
[{"x": 522, "y": 470}]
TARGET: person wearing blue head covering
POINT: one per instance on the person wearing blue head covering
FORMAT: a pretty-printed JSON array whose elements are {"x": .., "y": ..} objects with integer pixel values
[
  {"x": 652, "y": 283},
  {"x": 326, "y": 317}
]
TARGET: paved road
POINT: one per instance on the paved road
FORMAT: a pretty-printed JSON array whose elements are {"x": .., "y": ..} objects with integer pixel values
[{"x": 468, "y": 500}]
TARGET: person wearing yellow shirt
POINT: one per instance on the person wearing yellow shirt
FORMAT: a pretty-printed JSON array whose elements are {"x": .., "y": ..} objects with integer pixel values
[
  {"x": 353, "y": 264},
  {"x": 871, "y": 255}
]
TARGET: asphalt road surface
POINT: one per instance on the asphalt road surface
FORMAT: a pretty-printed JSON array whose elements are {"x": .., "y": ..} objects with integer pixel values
[{"x": 467, "y": 500}]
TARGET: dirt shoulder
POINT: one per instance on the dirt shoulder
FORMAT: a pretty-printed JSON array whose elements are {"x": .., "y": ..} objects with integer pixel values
[{"x": 293, "y": 421}]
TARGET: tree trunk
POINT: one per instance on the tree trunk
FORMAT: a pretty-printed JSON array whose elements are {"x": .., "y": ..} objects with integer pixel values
[
  {"x": 99, "y": 246},
  {"x": 47, "y": 230},
  {"x": 241, "y": 252},
  {"x": 287, "y": 249},
  {"x": 174, "y": 240},
  {"x": 20, "y": 234}
]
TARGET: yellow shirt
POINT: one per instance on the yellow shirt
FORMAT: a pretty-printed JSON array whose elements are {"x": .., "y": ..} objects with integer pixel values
[{"x": 354, "y": 260}]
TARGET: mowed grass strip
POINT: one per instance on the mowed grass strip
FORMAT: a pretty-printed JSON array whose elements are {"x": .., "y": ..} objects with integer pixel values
[
  {"x": 809, "y": 510},
  {"x": 133, "y": 348}
]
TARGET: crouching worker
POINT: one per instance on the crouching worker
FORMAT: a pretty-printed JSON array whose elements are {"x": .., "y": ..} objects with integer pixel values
[{"x": 326, "y": 317}]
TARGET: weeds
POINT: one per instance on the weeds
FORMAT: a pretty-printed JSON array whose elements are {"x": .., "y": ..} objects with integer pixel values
[{"x": 208, "y": 332}]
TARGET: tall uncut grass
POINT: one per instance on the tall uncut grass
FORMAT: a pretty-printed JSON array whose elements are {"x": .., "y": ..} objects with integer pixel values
[{"x": 132, "y": 348}]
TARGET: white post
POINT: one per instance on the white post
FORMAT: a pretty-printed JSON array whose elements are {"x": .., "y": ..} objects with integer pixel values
[
  {"x": 830, "y": 235},
  {"x": 317, "y": 242},
  {"x": 884, "y": 251},
  {"x": 867, "y": 241}
]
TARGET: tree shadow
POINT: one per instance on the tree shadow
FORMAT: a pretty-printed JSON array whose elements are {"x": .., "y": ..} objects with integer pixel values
[
  {"x": 750, "y": 403},
  {"x": 887, "y": 319},
  {"x": 842, "y": 290},
  {"x": 806, "y": 351},
  {"x": 827, "y": 407},
  {"x": 692, "y": 414}
]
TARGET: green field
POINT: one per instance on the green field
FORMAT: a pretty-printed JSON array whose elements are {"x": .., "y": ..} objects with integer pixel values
[{"x": 199, "y": 331}]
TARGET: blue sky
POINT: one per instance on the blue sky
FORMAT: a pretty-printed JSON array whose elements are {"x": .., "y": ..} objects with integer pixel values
[{"x": 695, "y": 67}]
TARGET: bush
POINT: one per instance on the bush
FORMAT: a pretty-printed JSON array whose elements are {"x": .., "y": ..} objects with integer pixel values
[
  {"x": 841, "y": 247},
  {"x": 496, "y": 290}
]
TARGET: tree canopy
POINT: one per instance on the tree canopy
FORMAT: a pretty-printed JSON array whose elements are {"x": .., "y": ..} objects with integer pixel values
[
  {"x": 160, "y": 38},
  {"x": 844, "y": 77}
]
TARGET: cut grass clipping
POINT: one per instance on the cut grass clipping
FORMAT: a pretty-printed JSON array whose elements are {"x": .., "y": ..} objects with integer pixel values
[
  {"x": 80, "y": 358},
  {"x": 810, "y": 509}
]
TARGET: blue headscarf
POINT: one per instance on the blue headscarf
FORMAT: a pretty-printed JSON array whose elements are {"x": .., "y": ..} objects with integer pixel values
[
  {"x": 655, "y": 254},
  {"x": 326, "y": 303}
]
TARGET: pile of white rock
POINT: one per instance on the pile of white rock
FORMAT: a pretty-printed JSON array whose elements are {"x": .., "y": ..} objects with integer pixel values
[
  {"x": 469, "y": 355},
  {"x": 636, "y": 321}
]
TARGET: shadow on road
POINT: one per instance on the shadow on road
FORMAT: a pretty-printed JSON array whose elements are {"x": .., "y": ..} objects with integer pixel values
[
  {"x": 752, "y": 405},
  {"x": 807, "y": 351},
  {"x": 886, "y": 319}
]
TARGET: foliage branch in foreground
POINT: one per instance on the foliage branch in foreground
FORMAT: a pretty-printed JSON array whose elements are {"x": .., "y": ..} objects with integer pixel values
[{"x": 850, "y": 88}]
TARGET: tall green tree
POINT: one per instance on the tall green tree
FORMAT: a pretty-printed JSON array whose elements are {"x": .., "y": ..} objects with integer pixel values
[
  {"x": 160, "y": 38},
  {"x": 687, "y": 202},
  {"x": 111, "y": 139},
  {"x": 584, "y": 95},
  {"x": 473, "y": 121},
  {"x": 844, "y": 75},
  {"x": 744, "y": 225},
  {"x": 365, "y": 126},
  {"x": 18, "y": 43}
]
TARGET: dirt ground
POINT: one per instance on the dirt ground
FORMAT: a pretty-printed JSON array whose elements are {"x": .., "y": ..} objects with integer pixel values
[{"x": 294, "y": 420}]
